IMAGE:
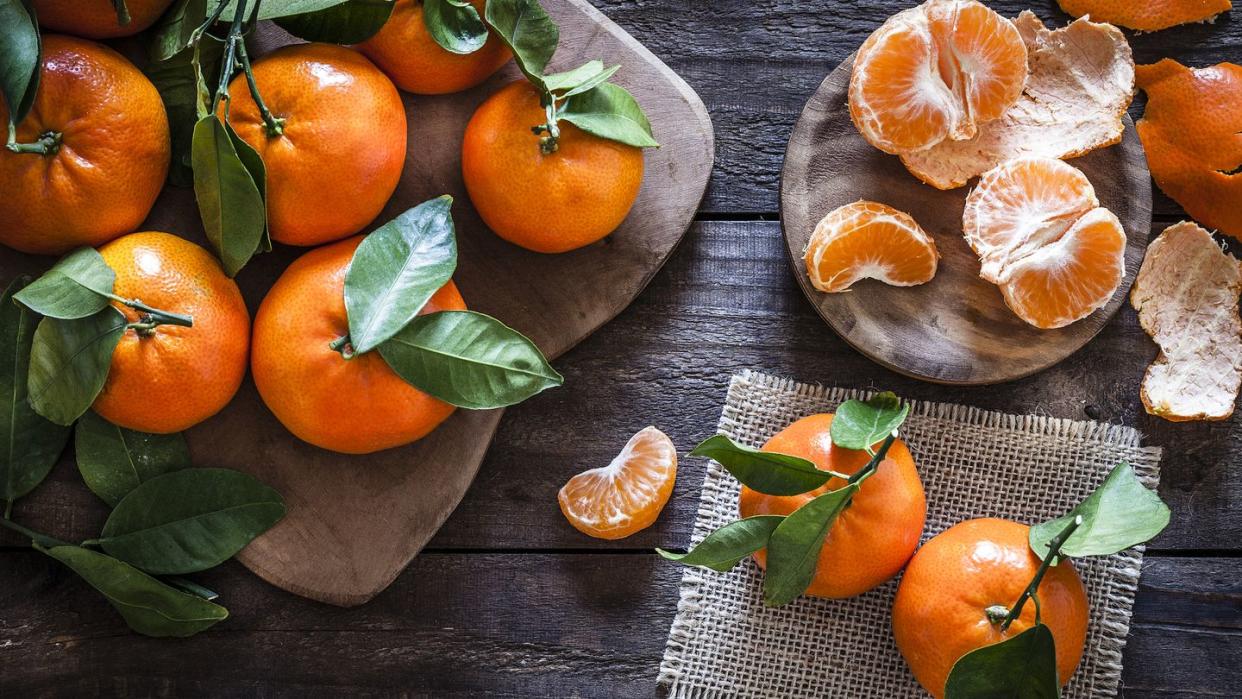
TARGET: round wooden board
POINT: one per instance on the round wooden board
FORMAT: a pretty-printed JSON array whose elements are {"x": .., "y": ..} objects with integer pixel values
[
  {"x": 355, "y": 522},
  {"x": 956, "y": 329}
]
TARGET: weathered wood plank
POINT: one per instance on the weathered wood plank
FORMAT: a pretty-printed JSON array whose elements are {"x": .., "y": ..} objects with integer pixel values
[
  {"x": 727, "y": 301},
  {"x": 501, "y": 625},
  {"x": 755, "y": 63}
]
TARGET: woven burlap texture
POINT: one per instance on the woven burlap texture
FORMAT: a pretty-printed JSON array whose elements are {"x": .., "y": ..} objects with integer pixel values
[{"x": 725, "y": 643}]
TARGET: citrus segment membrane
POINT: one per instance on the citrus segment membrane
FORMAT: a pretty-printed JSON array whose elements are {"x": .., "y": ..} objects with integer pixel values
[
  {"x": 627, "y": 495},
  {"x": 1147, "y": 15},
  {"x": 869, "y": 240},
  {"x": 1186, "y": 295},
  {"x": 1042, "y": 237},
  {"x": 1080, "y": 83},
  {"x": 935, "y": 72}
]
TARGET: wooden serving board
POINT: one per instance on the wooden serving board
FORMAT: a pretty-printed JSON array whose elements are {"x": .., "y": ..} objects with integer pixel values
[
  {"x": 355, "y": 522},
  {"x": 955, "y": 329}
]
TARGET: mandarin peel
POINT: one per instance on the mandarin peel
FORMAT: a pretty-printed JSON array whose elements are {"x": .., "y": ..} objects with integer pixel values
[{"x": 1147, "y": 15}]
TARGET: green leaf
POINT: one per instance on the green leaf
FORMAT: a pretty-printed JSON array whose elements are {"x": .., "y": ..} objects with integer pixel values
[
  {"x": 585, "y": 77},
  {"x": 610, "y": 111},
  {"x": 273, "y": 9},
  {"x": 69, "y": 363},
  {"x": 113, "y": 460},
  {"x": 75, "y": 287},
  {"x": 175, "y": 30},
  {"x": 1119, "y": 514},
  {"x": 396, "y": 270},
  {"x": 21, "y": 51},
  {"x": 469, "y": 360},
  {"x": 793, "y": 549},
  {"x": 190, "y": 520},
  {"x": 1021, "y": 667},
  {"x": 861, "y": 424},
  {"x": 723, "y": 548},
  {"x": 253, "y": 163},
  {"x": 350, "y": 22},
  {"x": 455, "y": 25},
  {"x": 229, "y": 200},
  {"x": 177, "y": 80},
  {"x": 149, "y": 606},
  {"x": 31, "y": 444},
  {"x": 764, "y": 471},
  {"x": 528, "y": 31}
]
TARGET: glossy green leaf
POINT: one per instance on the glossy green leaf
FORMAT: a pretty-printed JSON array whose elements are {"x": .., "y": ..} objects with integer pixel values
[
  {"x": 273, "y": 9},
  {"x": 149, "y": 606},
  {"x": 581, "y": 79},
  {"x": 177, "y": 80},
  {"x": 396, "y": 270},
  {"x": 253, "y": 162},
  {"x": 30, "y": 443},
  {"x": 350, "y": 22},
  {"x": 1021, "y": 667},
  {"x": 455, "y": 25},
  {"x": 861, "y": 424},
  {"x": 75, "y": 287},
  {"x": 189, "y": 520},
  {"x": 229, "y": 200},
  {"x": 528, "y": 31},
  {"x": 793, "y": 548},
  {"x": 469, "y": 360},
  {"x": 764, "y": 471},
  {"x": 1119, "y": 514},
  {"x": 21, "y": 51},
  {"x": 113, "y": 460},
  {"x": 610, "y": 111},
  {"x": 69, "y": 363},
  {"x": 725, "y": 547},
  {"x": 175, "y": 30}
]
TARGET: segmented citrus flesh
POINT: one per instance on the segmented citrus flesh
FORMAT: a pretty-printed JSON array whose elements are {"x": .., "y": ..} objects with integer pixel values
[
  {"x": 1080, "y": 85},
  {"x": 869, "y": 240},
  {"x": 1192, "y": 132},
  {"x": 1186, "y": 294},
  {"x": 1043, "y": 238},
  {"x": 1147, "y": 15},
  {"x": 935, "y": 72},
  {"x": 627, "y": 495}
]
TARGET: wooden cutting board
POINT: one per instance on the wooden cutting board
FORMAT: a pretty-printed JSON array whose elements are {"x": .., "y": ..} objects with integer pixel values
[
  {"x": 354, "y": 522},
  {"x": 955, "y": 329}
]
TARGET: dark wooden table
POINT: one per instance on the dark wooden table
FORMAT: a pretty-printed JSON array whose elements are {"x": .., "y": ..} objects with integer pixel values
[{"x": 509, "y": 600}]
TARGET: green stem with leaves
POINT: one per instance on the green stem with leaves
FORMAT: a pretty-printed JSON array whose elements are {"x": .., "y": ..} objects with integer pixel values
[
  {"x": 549, "y": 132},
  {"x": 41, "y": 539},
  {"x": 152, "y": 317},
  {"x": 867, "y": 471},
  {"x": 1054, "y": 549},
  {"x": 122, "y": 12},
  {"x": 275, "y": 125}
]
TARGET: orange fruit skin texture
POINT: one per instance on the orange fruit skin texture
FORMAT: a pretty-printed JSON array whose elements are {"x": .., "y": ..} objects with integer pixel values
[
  {"x": 174, "y": 377},
  {"x": 546, "y": 203},
  {"x": 343, "y": 147},
  {"x": 405, "y": 50},
  {"x": 96, "y": 19},
  {"x": 112, "y": 160},
  {"x": 1146, "y": 15},
  {"x": 354, "y": 406},
  {"x": 938, "y": 615},
  {"x": 875, "y": 536},
  {"x": 1192, "y": 132}
]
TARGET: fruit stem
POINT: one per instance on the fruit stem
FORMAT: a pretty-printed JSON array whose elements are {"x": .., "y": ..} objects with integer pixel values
[
  {"x": 1054, "y": 548},
  {"x": 153, "y": 316},
  {"x": 343, "y": 345},
  {"x": 122, "y": 12},
  {"x": 275, "y": 125},
  {"x": 47, "y": 144},
  {"x": 550, "y": 142},
  {"x": 866, "y": 471},
  {"x": 42, "y": 539}
]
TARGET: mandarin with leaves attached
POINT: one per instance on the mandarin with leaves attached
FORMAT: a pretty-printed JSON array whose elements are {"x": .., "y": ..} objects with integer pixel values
[
  {"x": 405, "y": 50},
  {"x": 309, "y": 376},
  {"x": 98, "y": 19},
  {"x": 168, "y": 378},
  {"x": 875, "y": 535},
  {"x": 960, "y": 585},
  {"x": 94, "y": 152},
  {"x": 548, "y": 202}
]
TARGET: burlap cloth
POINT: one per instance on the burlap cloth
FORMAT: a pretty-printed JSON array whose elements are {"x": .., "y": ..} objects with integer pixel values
[{"x": 974, "y": 463}]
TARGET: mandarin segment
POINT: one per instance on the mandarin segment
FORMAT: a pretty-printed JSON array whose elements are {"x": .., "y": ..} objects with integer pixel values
[
  {"x": 1147, "y": 15},
  {"x": 627, "y": 495},
  {"x": 1186, "y": 294},
  {"x": 869, "y": 240},
  {"x": 939, "y": 611},
  {"x": 871, "y": 539},
  {"x": 1192, "y": 132},
  {"x": 1042, "y": 237},
  {"x": 935, "y": 72}
]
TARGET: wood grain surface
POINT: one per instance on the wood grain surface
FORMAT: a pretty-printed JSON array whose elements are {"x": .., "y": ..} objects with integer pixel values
[
  {"x": 956, "y": 328},
  {"x": 507, "y": 599}
]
